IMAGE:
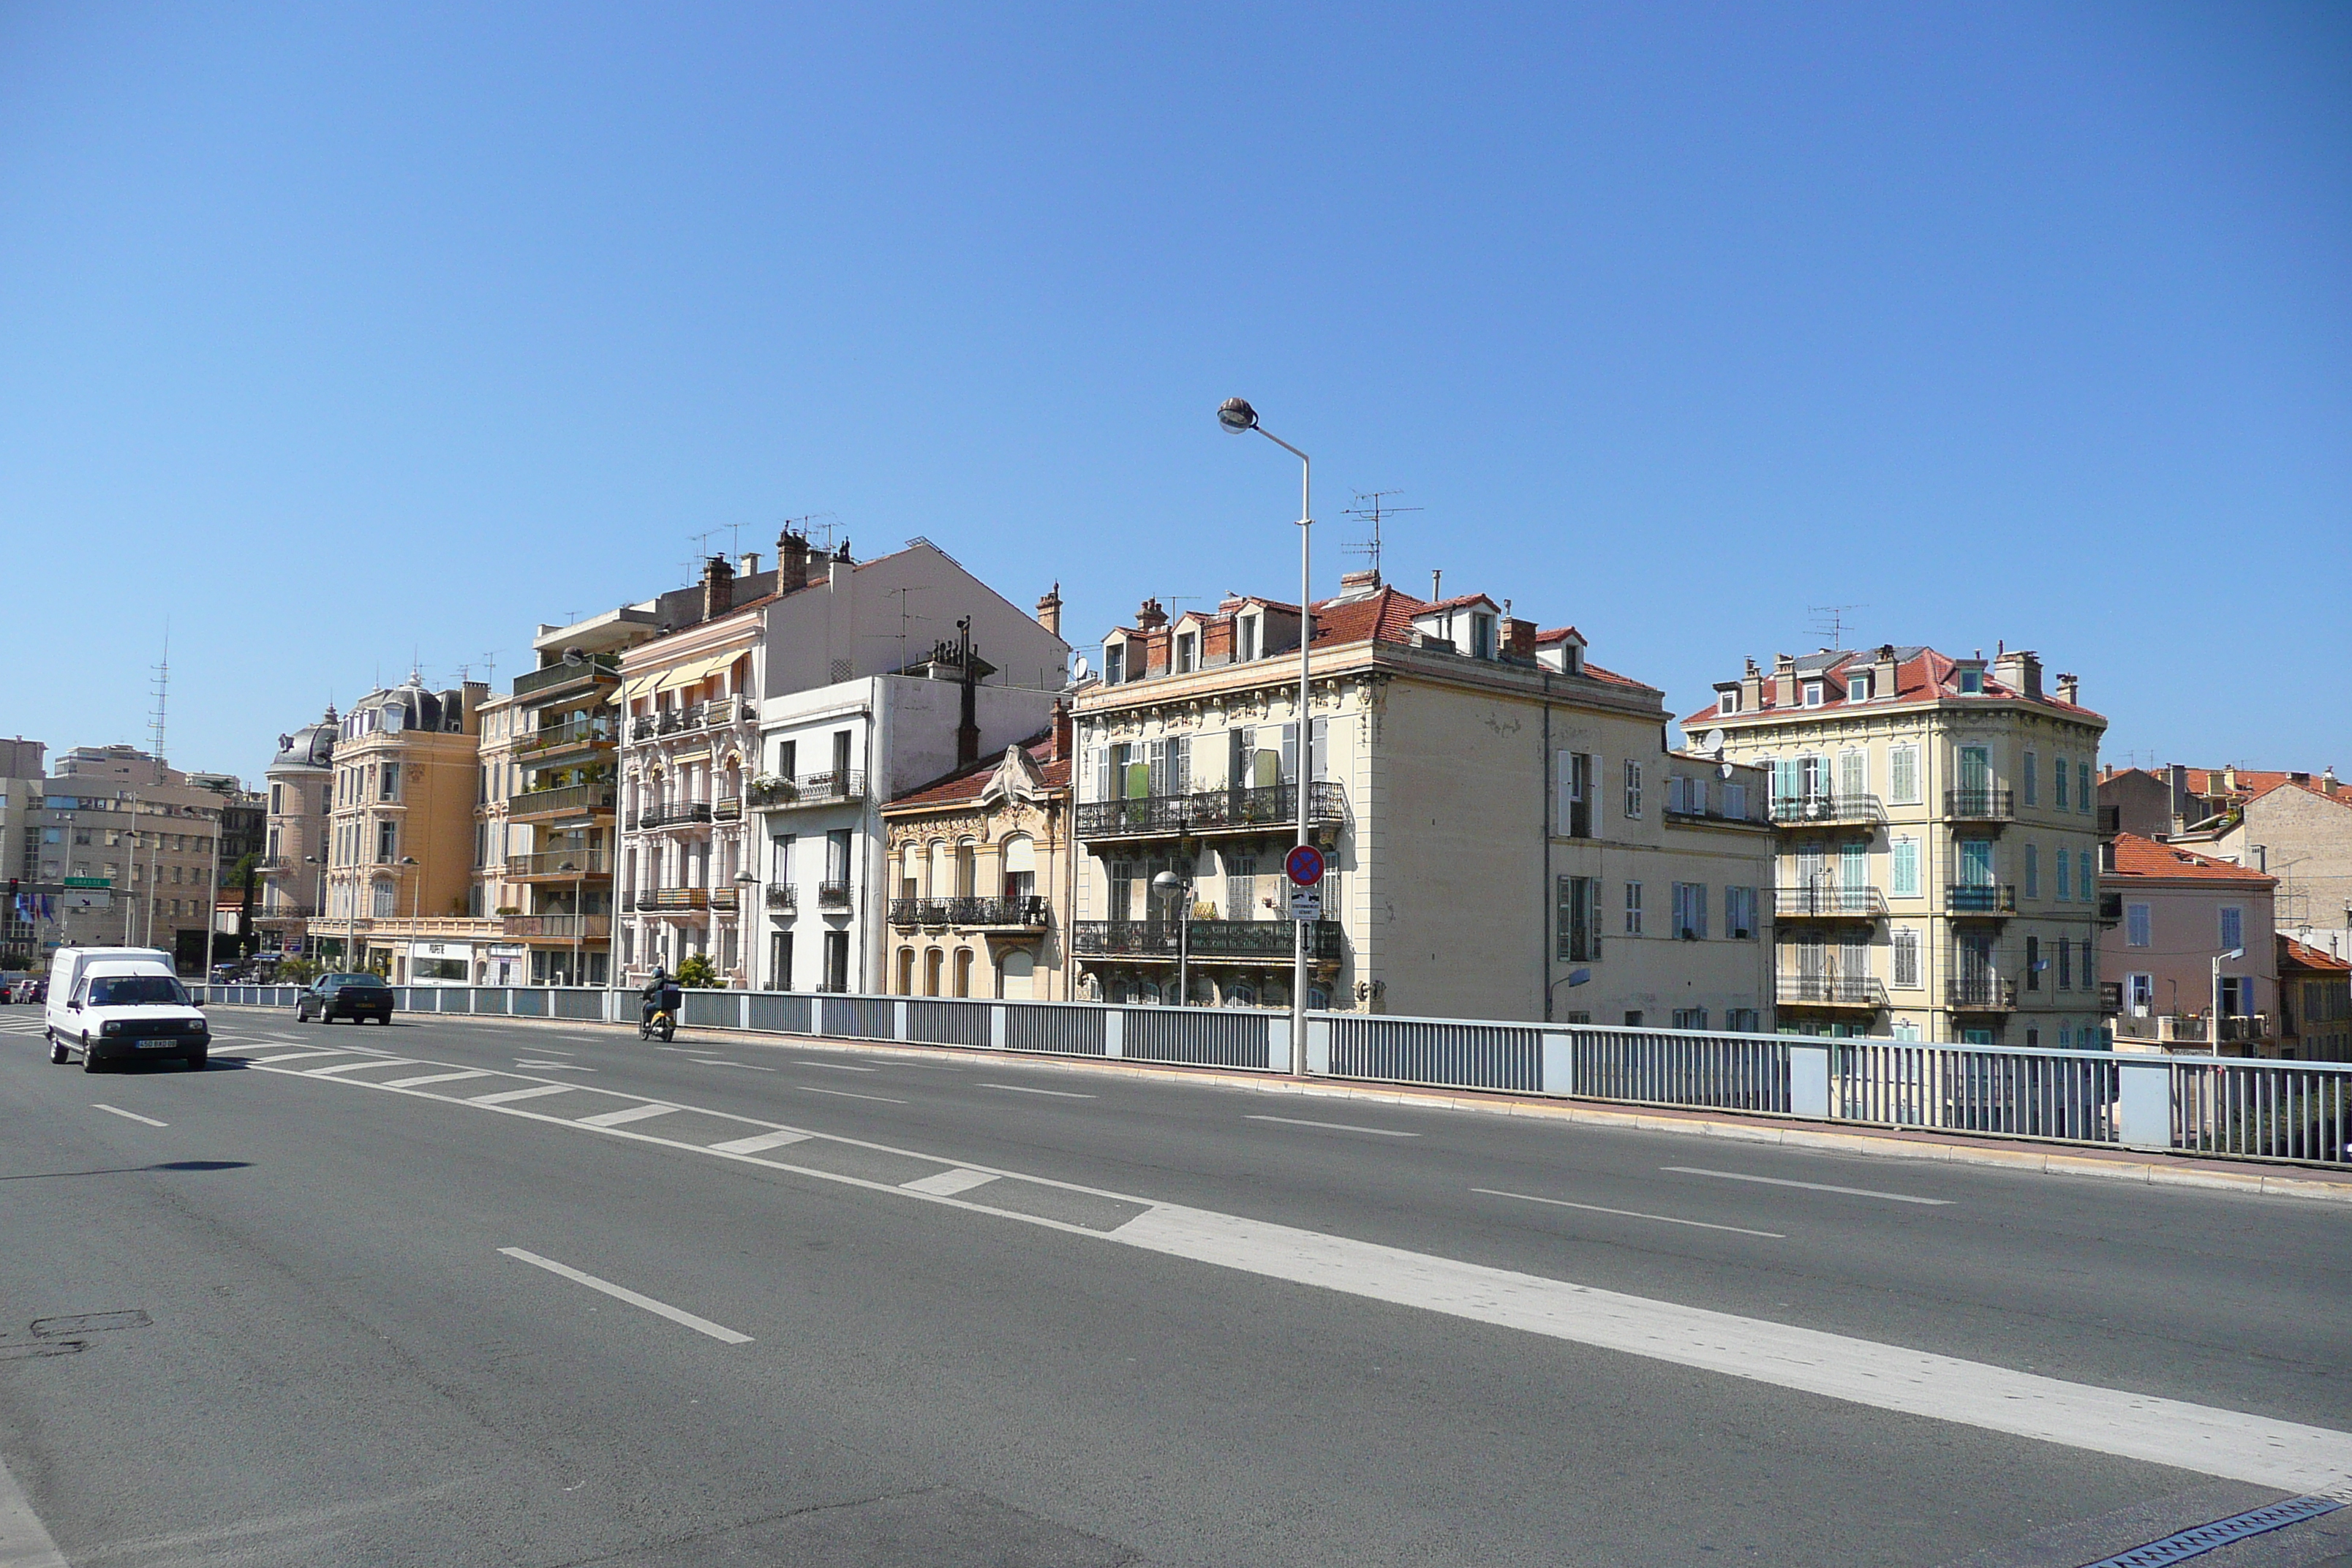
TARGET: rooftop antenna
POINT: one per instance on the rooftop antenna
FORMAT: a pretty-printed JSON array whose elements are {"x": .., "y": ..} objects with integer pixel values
[
  {"x": 702, "y": 540},
  {"x": 817, "y": 528},
  {"x": 163, "y": 689},
  {"x": 1832, "y": 621},
  {"x": 1372, "y": 506},
  {"x": 490, "y": 669},
  {"x": 906, "y": 615}
]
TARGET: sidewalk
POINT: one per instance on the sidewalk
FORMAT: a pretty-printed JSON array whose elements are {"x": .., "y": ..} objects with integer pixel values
[{"x": 2152, "y": 1168}]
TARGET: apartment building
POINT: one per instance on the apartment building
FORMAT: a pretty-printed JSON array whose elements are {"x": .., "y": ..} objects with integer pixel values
[
  {"x": 2315, "y": 1017},
  {"x": 23, "y": 773},
  {"x": 1505, "y": 834},
  {"x": 300, "y": 783},
  {"x": 2194, "y": 935},
  {"x": 1936, "y": 848},
  {"x": 2295, "y": 825},
  {"x": 124, "y": 850},
  {"x": 400, "y": 837}
]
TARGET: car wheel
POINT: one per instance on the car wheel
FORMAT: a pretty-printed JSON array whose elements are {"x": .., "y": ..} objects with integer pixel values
[
  {"x": 57, "y": 1050},
  {"x": 89, "y": 1057}
]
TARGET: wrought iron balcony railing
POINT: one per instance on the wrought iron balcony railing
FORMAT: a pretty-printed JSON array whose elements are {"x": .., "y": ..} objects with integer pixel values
[
  {"x": 1828, "y": 901},
  {"x": 1829, "y": 990},
  {"x": 595, "y": 667},
  {"x": 561, "y": 863},
  {"x": 1266, "y": 941},
  {"x": 268, "y": 912},
  {"x": 566, "y": 800},
  {"x": 675, "y": 814},
  {"x": 832, "y": 895},
  {"x": 727, "y": 808},
  {"x": 660, "y": 900},
  {"x": 1825, "y": 809},
  {"x": 834, "y": 788},
  {"x": 592, "y": 731},
  {"x": 1986, "y": 903},
  {"x": 1026, "y": 913},
  {"x": 1980, "y": 994},
  {"x": 1979, "y": 805},
  {"x": 783, "y": 896},
  {"x": 1265, "y": 809}
]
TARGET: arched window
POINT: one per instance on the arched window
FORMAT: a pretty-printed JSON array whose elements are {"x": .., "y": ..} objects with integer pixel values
[
  {"x": 1019, "y": 858},
  {"x": 1241, "y": 994},
  {"x": 931, "y": 959},
  {"x": 963, "y": 972},
  {"x": 1016, "y": 976},
  {"x": 906, "y": 972},
  {"x": 967, "y": 869}
]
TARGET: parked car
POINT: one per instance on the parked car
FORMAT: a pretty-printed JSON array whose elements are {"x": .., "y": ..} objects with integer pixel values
[
  {"x": 354, "y": 997},
  {"x": 35, "y": 989},
  {"x": 122, "y": 1004}
]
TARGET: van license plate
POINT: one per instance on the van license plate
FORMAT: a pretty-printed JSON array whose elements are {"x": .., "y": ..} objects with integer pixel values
[{"x": 157, "y": 1044}]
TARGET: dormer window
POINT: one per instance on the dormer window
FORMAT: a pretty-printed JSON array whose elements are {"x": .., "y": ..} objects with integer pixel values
[
  {"x": 1857, "y": 688},
  {"x": 1114, "y": 663},
  {"x": 1482, "y": 637},
  {"x": 1246, "y": 637},
  {"x": 1727, "y": 702},
  {"x": 1187, "y": 645},
  {"x": 1812, "y": 694},
  {"x": 1972, "y": 682}
]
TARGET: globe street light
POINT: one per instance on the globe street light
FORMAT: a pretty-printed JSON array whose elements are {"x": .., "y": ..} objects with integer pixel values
[
  {"x": 1239, "y": 418},
  {"x": 1179, "y": 888}
]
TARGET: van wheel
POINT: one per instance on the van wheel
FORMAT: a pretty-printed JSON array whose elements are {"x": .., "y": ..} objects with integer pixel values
[
  {"x": 89, "y": 1057},
  {"x": 57, "y": 1050}
]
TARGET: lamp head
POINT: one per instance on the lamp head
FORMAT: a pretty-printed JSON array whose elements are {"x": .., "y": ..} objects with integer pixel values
[
  {"x": 1166, "y": 882},
  {"x": 1236, "y": 415}
]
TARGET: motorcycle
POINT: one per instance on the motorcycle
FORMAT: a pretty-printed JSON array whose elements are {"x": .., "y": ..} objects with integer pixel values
[{"x": 661, "y": 1019}]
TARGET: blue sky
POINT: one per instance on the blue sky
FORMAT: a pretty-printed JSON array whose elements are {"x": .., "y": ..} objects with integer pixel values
[{"x": 337, "y": 332}]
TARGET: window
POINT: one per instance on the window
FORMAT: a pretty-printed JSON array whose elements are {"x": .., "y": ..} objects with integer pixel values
[
  {"x": 387, "y": 842},
  {"x": 1857, "y": 687},
  {"x": 1972, "y": 682},
  {"x": 388, "y": 783},
  {"x": 2034, "y": 962},
  {"x": 1812, "y": 694},
  {"x": 2032, "y": 869},
  {"x": 2058, "y": 787},
  {"x": 1902, "y": 776},
  {"x": 1577, "y": 774},
  {"x": 1578, "y": 933},
  {"x": 1854, "y": 773},
  {"x": 1482, "y": 637},
  {"x": 1241, "y": 885},
  {"x": 1739, "y": 913},
  {"x": 1633, "y": 908},
  {"x": 2139, "y": 994},
  {"x": 1727, "y": 702},
  {"x": 1906, "y": 959},
  {"x": 2031, "y": 777},
  {"x": 1741, "y": 1020},
  {"x": 2066, "y": 880},
  {"x": 276, "y": 800},
  {"x": 1632, "y": 788},
  {"x": 2082, "y": 787},
  {"x": 2066, "y": 966},
  {"x": 1735, "y": 801},
  {"x": 780, "y": 860},
  {"x": 1690, "y": 910},
  {"x": 1906, "y": 1031},
  {"x": 1690, "y": 1017},
  {"x": 1902, "y": 857},
  {"x": 1186, "y": 643},
  {"x": 2086, "y": 881},
  {"x": 1633, "y": 1019},
  {"x": 1114, "y": 663},
  {"x": 2233, "y": 928},
  {"x": 2135, "y": 925}
]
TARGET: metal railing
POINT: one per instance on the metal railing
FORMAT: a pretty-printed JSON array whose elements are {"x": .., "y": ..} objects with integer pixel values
[
  {"x": 832, "y": 895},
  {"x": 1270, "y": 940},
  {"x": 566, "y": 800},
  {"x": 1263, "y": 809},
  {"x": 834, "y": 788},
  {"x": 1979, "y": 805},
  {"x": 595, "y": 667},
  {"x": 1026, "y": 913},
  {"x": 2241, "y": 1109},
  {"x": 1981, "y": 994},
  {"x": 569, "y": 732},
  {"x": 783, "y": 896},
  {"x": 571, "y": 928},
  {"x": 658, "y": 900},
  {"x": 675, "y": 813},
  {"x": 286, "y": 912},
  {"x": 1965, "y": 901},
  {"x": 1830, "y": 990},
  {"x": 1828, "y": 901},
  {"x": 1825, "y": 807},
  {"x": 727, "y": 808},
  {"x": 561, "y": 863}
]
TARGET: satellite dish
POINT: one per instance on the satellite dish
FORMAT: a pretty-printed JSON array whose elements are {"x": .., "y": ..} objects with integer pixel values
[
  {"x": 1713, "y": 739},
  {"x": 285, "y": 742},
  {"x": 1723, "y": 770},
  {"x": 574, "y": 656},
  {"x": 1078, "y": 668}
]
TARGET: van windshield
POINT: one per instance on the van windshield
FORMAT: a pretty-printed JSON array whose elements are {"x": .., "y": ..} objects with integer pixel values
[{"x": 136, "y": 990}]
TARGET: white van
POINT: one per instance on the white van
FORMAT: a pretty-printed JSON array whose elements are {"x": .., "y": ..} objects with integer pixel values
[{"x": 116, "y": 1004}]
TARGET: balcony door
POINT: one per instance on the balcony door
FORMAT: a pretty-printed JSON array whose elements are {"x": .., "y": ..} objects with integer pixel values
[
  {"x": 1976, "y": 862},
  {"x": 1976, "y": 771},
  {"x": 1974, "y": 953},
  {"x": 1853, "y": 866}
]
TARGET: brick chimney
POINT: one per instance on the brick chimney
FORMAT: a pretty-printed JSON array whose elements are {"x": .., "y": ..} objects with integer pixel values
[
  {"x": 1751, "y": 689},
  {"x": 1784, "y": 680},
  {"x": 1061, "y": 734},
  {"x": 717, "y": 588},
  {"x": 1049, "y": 610},
  {"x": 1151, "y": 617},
  {"x": 1883, "y": 672},
  {"x": 2070, "y": 688},
  {"x": 791, "y": 562}
]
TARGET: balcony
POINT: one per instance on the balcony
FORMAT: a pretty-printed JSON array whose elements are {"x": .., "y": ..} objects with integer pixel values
[
  {"x": 596, "y": 731},
  {"x": 726, "y": 901},
  {"x": 2194, "y": 1029},
  {"x": 2111, "y": 909},
  {"x": 1828, "y": 991},
  {"x": 274, "y": 864},
  {"x": 1981, "y": 903},
  {"x": 544, "y": 683},
  {"x": 677, "y": 814},
  {"x": 1979, "y": 805},
  {"x": 1257, "y": 941},
  {"x": 559, "y": 928},
  {"x": 673, "y": 901},
  {"x": 1712, "y": 810},
  {"x": 1825, "y": 809},
  {"x": 567, "y": 800},
  {"x": 832, "y": 895},
  {"x": 1267, "y": 809},
  {"x": 560, "y": 865},
  {"x": 1026, "y": 913},
  {"x": 1828, "y": 903},
  {"x": 783, "y": 896},
  {"x": 838, "y": 787},
  {"x": 1980, "y": 994},
  {"x": 727, "y": 808},
  {"x": 278, "y": 913}
]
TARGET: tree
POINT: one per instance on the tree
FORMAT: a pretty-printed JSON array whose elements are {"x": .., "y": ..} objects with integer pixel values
[{"x": 694, "y": 970}]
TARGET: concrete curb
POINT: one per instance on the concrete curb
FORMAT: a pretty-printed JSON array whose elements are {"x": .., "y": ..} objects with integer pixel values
[{"x": 2175, "y": 1171}]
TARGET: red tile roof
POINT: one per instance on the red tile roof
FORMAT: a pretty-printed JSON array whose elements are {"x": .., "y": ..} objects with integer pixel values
[
  {"x": 1923, "y": 675},
  {"x": 2295, "y": 952},
  {"x": 2138, "y": 856},
  {"x": 966, "y": 783}
]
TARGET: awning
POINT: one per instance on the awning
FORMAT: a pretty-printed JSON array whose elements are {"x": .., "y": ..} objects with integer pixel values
[
  {"x": 687, "y": 674},
  {"x": 637, "y": 687}
]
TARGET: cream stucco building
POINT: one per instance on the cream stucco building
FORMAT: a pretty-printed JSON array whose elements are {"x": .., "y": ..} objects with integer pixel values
[
  {"x": 1504, "y": 835},
  {"x": 1938, "y": 849}
]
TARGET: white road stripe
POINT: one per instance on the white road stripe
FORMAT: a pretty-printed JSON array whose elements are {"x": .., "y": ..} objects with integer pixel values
[
  {"x": 747, "y": 1067},
  {"x": 622, "y": 1293},
  {"x": 2282, "y": 1454},
  {"x": 845, "y": 1094},
  {"x": 128, "y": 1115},
  {"x": 24, "y": 1540},
  {"x": 354, "y": 1067},
  {"x": 1630, "y": 1214},
  {"x": 290, "y": 1057},
  {"x": 1809, "y": 1186},
  {"x": 1025, "y": 1089},
  {"x": 626, "y": 1115},
  {"x": 434, "y": 1078},
  {"x": 511, "y": 1095},
  {"x": 948, "y": 1183},
  {"x": 838, "y": 1066},
  {"x": 755, "y": 1145},
  {"x": 1334, "y": 1126}
]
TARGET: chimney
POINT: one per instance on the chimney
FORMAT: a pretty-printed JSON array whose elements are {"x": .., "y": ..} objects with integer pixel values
[
  {"x": 841, "y": 551},
  {"x": 717, "y": 588},
  {"x": 791, "y": 562},
  {"x": 2329, "y": 781},
  {"x": 1354, "y": 585},
  {"x": 1436, "y": 586},
  {"x": 968, "y": 703},
  {"x": 2021, "y": 671},
  {"x": 1061, "y": 734},
  {"x": 1049, "y": 610},
  {"x": 1784, "y": 680},
  {"x": 1150, "y": 616},
  {"x": 1884, "y": 670},
  {"x": 751, "y": 567},
  {"x": 1751, "y": 689},
  {"x": 2069, "y": 689}
]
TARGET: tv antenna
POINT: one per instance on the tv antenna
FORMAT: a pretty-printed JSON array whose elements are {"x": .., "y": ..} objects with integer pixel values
[
  {"x": 163, "y": 689},
  {"x": 1372, "y": 506},
  {"x": 1832, "y": 621},
  {"x": 818, "y": 527}
]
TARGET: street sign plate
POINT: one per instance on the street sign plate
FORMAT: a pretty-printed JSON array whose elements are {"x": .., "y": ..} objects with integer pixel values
[
  {"x": 1306, "y": 903},
  {"x": 1304, "y": 865},
  {"x": 88, "y": 898},
  {"x": 89, "y": 881}
]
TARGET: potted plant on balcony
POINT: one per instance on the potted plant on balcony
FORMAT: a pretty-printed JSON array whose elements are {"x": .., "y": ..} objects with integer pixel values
[{"x": 694, "y": 970}]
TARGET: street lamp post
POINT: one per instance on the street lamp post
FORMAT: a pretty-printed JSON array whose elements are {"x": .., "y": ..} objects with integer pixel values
[
  {"x": 1238, "y": 417},
  {"x": 746, "y": 886},
  {"x": 1181, "y": 888},
  {"x": 2213, "y": 1035},
  {"x": 578, "y": 929}
]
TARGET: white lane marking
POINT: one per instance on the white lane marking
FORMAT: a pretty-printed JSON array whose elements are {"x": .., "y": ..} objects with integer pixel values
[
  {"x": 753, "y": 1146},
  {"x": 838, "y": 1066},
  {"x": 2282, "y": 1454},
  {"x": 509, "y": 1096},
  {"x": 354, "y": 1067},
  {"x": 434, "y": 1078},
  {"x": 845, "y": 1094},
  {"x": 947, "y": 1183},
  {"x": 747, "y": 1067},
  {"x": 622, "y": 1293},
  {"x": 552, "y": 1066},
  {"x": 1809, "y": 1186},
  {"x": 290, "y": 1056},
  {"x": 551, "y": 1051},
  {"x": 1025, "y": 1089},
  {"x": 130, "y": 1115},
  {"x": 624, "y": 1116},
  {"x": 24, "y": 1540},
  {"x": 1629, "y": 1213},
  {"x": 1334, "y": 1126}
]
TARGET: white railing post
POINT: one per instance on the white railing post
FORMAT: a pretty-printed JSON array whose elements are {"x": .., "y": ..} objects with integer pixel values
[
  {"x": 1319, "y": 1047},
  {"x": 2143, "y": 1103},
  {"x": 1809, "y": 1081},
  {"x": 897, "y": 1020},
  {"x": 997, "y": 1014},
  {"x": 1114, "y": 1033},
  {"x": 1559, "y": 1064},
  {"x": 744, "y": 1013}
]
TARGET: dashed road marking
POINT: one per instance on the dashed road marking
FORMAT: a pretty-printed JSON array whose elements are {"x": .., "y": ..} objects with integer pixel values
[
  {"x": 435, "y": 1078},
  {"x": 845, "y": 1094},
  {"x": 1809, "y": 1186},
  {"x": 719, "y": 1332},
  {"x": 507, "y": 1097},
  {"x": 1025, "y": 1089},
  {"x": 354, "y": 1067},
  {"x": 1631, "y": 1214},
  {"x": 759, "y": 1144},
  {"x": 1333, "y": 1126},
  {"x": 130, "y": 1115},
  {"x": 947, "y": 1183},
  {"x": 626, "y": 1115}
]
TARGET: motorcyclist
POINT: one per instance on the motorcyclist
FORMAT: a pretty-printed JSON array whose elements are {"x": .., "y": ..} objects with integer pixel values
[{"x": 662, "y": 993}]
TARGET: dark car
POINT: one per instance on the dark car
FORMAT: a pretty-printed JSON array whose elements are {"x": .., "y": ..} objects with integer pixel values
[{"x": 354, "y": 997}]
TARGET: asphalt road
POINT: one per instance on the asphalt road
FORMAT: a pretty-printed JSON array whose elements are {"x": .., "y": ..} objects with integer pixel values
[{"x": 949, "y": 1310}]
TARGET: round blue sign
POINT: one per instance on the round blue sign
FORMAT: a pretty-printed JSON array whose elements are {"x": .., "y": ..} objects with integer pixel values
[{"x": 1304, "y": 865}]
